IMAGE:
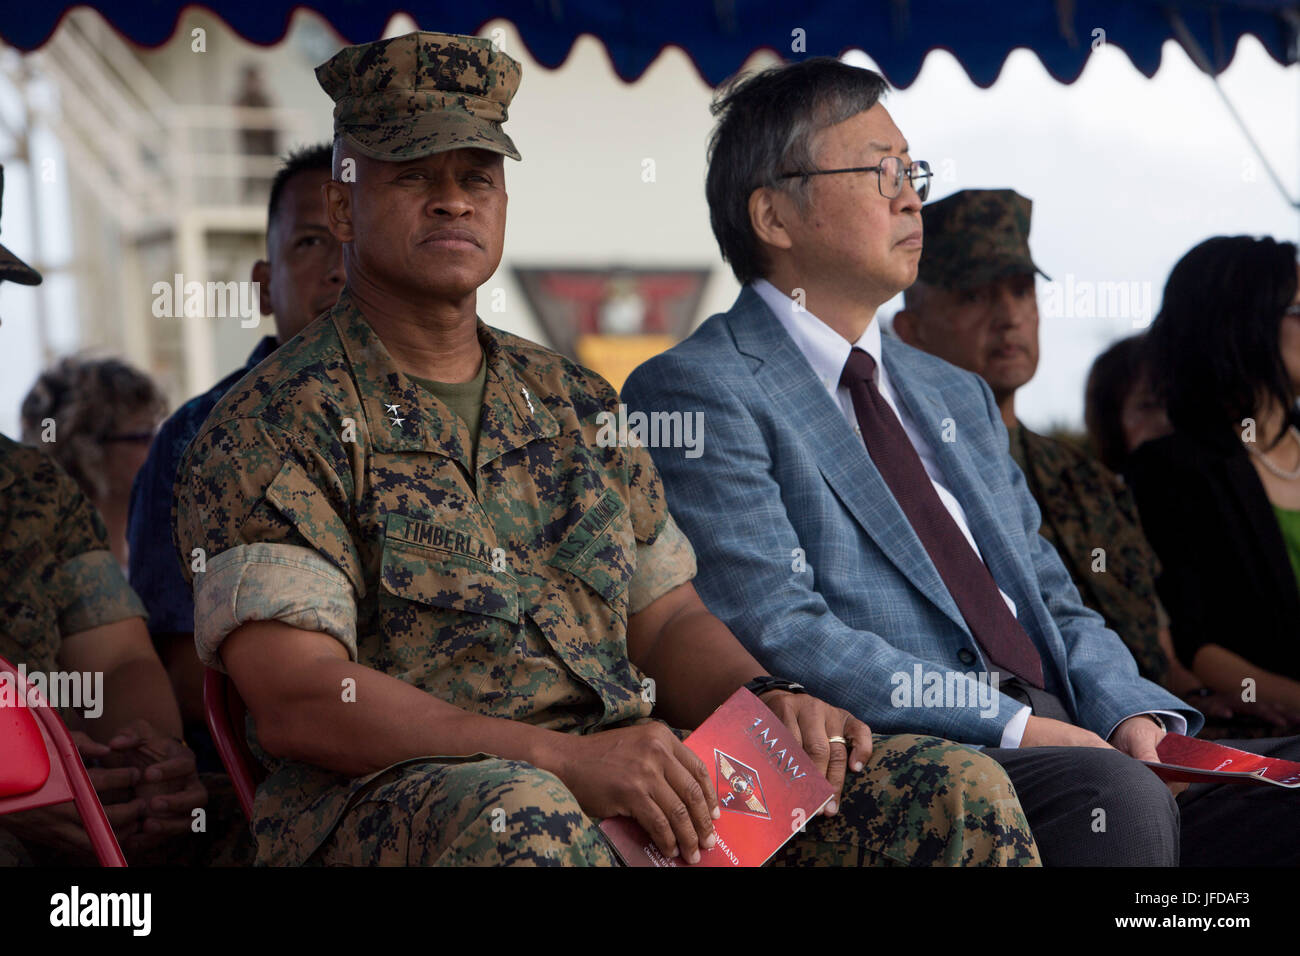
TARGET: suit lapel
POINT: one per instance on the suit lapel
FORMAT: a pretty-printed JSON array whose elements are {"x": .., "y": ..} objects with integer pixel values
[
  {"x": 787, "y": 378},
  {"x": 961, "y": 473}
]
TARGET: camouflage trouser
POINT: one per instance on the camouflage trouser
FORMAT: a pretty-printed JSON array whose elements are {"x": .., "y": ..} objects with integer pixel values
[
  {"x": 490, "y": 812},
  {"x": 919, "y": 801}
]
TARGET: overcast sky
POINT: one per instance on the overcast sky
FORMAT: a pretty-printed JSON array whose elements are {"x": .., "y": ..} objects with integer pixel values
[{"x": 1126, "y": 175}]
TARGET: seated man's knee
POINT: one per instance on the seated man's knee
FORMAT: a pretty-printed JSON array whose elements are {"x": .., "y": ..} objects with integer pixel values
[
  {"x": 957, "y": 771},
  {"x": 507, "y": 812},
  {"x": 1117, "y": 780},
  {"x": 1103, "y": 808},
  {"x": 959, "y": 804}
]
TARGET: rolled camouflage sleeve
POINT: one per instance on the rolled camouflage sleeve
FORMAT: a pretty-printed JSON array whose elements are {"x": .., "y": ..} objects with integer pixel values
[
  {"x": 666, "y": 564},
  {"x": 97, "y": 593},
  {"x": 258, "y": 522},
  {"x": 272, "y": 582},
  {"x": 90, "y": 589}
]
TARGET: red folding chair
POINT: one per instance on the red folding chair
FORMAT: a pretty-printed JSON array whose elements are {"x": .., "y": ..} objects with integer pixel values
[
  {"x": 40, "y": 766},
  {"x": 225, "y": 711}
]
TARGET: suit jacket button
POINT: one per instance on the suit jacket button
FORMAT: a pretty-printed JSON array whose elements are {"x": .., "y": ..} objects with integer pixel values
[{"x": 966, "y": 656}]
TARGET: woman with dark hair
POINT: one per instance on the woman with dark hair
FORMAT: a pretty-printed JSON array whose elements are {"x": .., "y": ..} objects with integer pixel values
[
  {"x": 1220, "y": 497},
  {"x": 1120, "y": 408}
]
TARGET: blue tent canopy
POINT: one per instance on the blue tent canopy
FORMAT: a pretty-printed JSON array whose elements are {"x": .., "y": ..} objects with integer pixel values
[{"x": 719, "y": 35}]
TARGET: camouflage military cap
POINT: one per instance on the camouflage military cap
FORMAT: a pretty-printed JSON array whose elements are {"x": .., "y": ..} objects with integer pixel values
[
  {"x": 420, "y": 94},
  {"x": 11, "y": 267},
  {"x": 975, "y": 237}
]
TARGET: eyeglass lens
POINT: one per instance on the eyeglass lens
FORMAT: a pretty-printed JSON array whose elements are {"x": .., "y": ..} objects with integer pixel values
[{"x": 891, "y": 177}]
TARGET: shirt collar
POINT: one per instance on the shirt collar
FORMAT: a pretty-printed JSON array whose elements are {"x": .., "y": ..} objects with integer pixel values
[
  {"x": 825, "y": 349},
  {"x": 512, "y": 414}
]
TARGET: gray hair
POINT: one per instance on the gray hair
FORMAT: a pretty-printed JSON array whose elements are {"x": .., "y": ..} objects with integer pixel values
[
  {"x": 88, "y": 398},
  {"x": 769, "y": 124}
]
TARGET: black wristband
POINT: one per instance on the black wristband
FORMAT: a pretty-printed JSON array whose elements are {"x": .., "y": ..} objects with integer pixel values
[{"x": 761, "y": 685}]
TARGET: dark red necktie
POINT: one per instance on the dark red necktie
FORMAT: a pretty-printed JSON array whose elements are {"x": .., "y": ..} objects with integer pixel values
[{"x": 999, "y": 634}]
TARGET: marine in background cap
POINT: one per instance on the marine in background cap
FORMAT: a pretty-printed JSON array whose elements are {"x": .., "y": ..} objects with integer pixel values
[
  {"x": 420, "y": 94},
  {"x": 976, "y": 236},
  {"x": 12, "y": 268},
  {"x": 973, "y": 302}
]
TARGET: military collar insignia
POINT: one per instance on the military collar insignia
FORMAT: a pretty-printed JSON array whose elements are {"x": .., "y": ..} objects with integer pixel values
[{"x": 512, "y": 414}]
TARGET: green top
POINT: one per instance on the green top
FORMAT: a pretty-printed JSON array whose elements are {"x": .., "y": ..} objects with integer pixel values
[
  {"x": 463, "y": 398},
  {"x": 1289, "y": 522}
]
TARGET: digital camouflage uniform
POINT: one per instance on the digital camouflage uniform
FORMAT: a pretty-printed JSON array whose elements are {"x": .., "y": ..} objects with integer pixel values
[
  {"x": 331, "y": 492},
  {"x": 58, "y": 578},
  {"x": 502, "y": 586},
  {"x": 57, "y": 575},
  {"x": 919, "y": 801},
  {"x": 1086, "y": 507}
]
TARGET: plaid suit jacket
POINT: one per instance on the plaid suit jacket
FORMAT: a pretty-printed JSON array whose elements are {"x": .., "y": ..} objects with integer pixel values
[{"x": 804, "y": 553}]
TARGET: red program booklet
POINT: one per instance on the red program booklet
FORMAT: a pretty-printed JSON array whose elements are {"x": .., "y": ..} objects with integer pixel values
[
  {"x": 1202, "y": 761},
  {"x": 767, "y": 789}
]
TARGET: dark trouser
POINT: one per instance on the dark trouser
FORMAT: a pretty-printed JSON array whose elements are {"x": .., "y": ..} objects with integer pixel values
[
  {"x": 1240, "y": 824},
  {"x": 1089, "y": 806},
  {"x": 1093, "y": 807}
]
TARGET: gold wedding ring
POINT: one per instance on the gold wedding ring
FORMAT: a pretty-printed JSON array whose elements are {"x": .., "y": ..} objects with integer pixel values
[{"x": 839, "y": 740}]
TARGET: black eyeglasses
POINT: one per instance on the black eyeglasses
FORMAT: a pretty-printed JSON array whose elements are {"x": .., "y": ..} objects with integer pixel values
[{"x": 889, "y": 176}]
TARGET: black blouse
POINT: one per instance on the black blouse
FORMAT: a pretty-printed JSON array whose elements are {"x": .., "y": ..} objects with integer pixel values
[{"x": 1226, "y": 577}]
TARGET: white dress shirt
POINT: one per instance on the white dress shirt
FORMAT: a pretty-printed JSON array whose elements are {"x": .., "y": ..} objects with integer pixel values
[{"x": 827, "y": 352}]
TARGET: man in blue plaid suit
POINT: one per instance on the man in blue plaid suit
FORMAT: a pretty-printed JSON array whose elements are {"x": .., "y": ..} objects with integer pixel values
[{"x": 859, "y": 523}]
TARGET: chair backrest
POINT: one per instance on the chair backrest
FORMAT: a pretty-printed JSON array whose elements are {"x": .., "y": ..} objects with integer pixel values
[
  {"x": 225, "y": 712},
  {"x": 40, "y": 766}
]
